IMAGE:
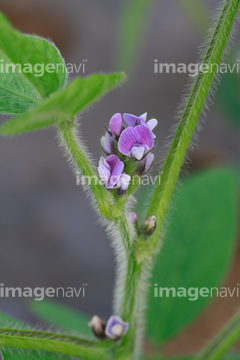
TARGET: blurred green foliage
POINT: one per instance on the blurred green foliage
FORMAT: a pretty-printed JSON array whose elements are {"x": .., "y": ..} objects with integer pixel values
[
  {"x": 133, "y": 21},
  {"x": 62, "y": 317},
  {"x": 197, "y": 251},
  {"x": 9, "y": 322}
]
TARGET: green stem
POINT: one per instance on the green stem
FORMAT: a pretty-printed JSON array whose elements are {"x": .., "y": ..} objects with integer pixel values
[
  {"x": 128, "y": 298},
  {"x": 130, "y": 295},
  {"x": 223, "y": 342},
  {"x": 44, "y": 341},
  {"x": 132, "y": 311},
  {"x": 192, "y": 111},
  {"x": 102, "y": 197}
]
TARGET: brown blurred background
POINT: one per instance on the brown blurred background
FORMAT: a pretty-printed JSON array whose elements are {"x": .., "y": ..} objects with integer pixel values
[{"x": 49, "y": 235}]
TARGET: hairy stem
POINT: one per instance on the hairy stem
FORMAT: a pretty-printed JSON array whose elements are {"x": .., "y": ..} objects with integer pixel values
[
  {"x": 224, "y": 341},
  {"x": 192, "y": 111},
  {"x": 130, "y": 294},
  {"x": 102, "y": 197},
  {"x": 44, "y": 341}
]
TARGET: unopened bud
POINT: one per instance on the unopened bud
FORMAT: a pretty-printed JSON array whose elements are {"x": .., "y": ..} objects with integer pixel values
[
  {"x": 98, "y": 327},
  {"x": 116, "y": 328},
  {"x": 133, "y": 217},
  {"x": 149, "y": 226}
]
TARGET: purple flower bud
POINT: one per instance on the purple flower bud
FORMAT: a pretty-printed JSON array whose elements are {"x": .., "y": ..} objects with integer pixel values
[
  {"x": 147, "y": 162},
  {"x": 110, "y": 170},
  {"x": 124, "y": 181},
  {"x": 135, "y": 142},
  {"x": 115, "y": 125},
  {"x": 116, "y": 328},
  {"x": 98, "y": 327},
  {"x": 133, "y": 217},
  {"x": 107, "y": 143}
]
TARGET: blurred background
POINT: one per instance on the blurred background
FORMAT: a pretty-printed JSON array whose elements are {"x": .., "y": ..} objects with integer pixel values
[{"x": 49, "y": 235}]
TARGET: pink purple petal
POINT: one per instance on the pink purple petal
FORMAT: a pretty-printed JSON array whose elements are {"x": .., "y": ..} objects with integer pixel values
[
  {"x": 104, "y": 174},
  {"x": 131, "y": 120},
  {"x": 115, "y": 322},
  {"x": 115, "y": 125},
  {"x": 148, "y": 162},
  {"x": 152, "y": 123},
  {"x": 103, "y": 162},
  {"x": 110, "y": 170},
  {"x": 116, "y": 166},
  {"x": 133, "y": 217},
  {"x": 144, "y": 116},
  {"x": 143, "y": 123},
  {"x": 144, "y": 136},
  {"x": 127, "y": 140},
  {"x": 106, "y": 142},
  {"x": 124, "y": 181}
]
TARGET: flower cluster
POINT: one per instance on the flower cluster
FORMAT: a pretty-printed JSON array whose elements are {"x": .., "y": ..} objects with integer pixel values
[{"x": 127, "y": 138}]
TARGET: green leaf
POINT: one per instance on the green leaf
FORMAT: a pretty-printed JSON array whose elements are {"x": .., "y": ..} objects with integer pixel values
[
  {"x": 61, "y": 316},
  {"x": 10, "y": 322},
  {"x": 197, "y": 249},
  {"x": 63, "y": 105},
  {"x": 22, "y": 354},
  {"x": 228, "y": 98},
  {"x": 27, "y": 85},
  {"x": 60, "y": 109},
  {"x": 186, "y": 127},
  {"x": 167, "y": 358},
  {"x": 55, "y": 343},
  {"x": 227, "y": 357},
  {"x": 16, "y": 354}
]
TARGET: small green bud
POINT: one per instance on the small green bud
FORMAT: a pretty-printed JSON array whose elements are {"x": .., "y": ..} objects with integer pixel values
[{"x": 149, "y": 226}]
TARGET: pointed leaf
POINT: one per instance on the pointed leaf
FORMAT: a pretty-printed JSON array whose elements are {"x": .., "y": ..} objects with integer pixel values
[
  {"x": 36, "y": 69},
  {"x": 197, "y": 250},
  {"x": 63, "y": 105},
  {"x": 16, "y": 354},
  {"x": 62, "y": 316}
]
